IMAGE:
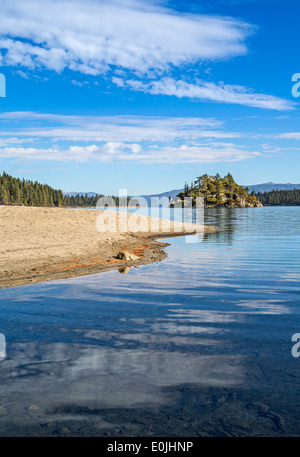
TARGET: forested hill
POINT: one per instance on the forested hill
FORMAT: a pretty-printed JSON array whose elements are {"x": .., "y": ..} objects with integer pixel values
[
  {"x": 280, "y": 197},
  {"x": 15, "y": 191},
  {"x": 219, "y": 192}
]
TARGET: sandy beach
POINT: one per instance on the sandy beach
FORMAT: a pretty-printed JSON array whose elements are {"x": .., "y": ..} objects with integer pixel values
[{"x": 40, "y": 244}]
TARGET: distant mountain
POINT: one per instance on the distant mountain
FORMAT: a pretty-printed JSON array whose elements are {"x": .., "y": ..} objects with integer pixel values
[
  {"x": 267, "y": 187},
  {"x": 170, "y": 193},
  {"x": 89, "y": 194}
]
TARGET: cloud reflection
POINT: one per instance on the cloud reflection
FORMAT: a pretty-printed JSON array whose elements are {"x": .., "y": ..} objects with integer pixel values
[{"x": 56, "y": 374}]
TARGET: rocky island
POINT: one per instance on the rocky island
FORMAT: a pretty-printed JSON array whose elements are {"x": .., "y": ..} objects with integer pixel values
[{"x": 218, "y": 192}]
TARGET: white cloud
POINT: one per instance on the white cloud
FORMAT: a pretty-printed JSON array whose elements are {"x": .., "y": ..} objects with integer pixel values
[
  {"x": 138, "y": 139},
  {"x": 129, "y": 129},
  {"x": 78, "y": 83},
  {"x": 114, "y": 147},
  {"x": 206, "y": 153},
  {"x": 13, "y": 141},
  {"x": 91, "y": 36},
  {"x": 122, "y": 152},
  {"x": 289, "y": 136},
  {"x": 208, "y": 91},
  {"x": 118, "y": 81},
  {"x": 22, "y": 74},
  {"x": 126, "y": 39}
]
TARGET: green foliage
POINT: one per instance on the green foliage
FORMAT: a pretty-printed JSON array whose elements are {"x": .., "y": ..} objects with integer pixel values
[
  {"x": 14, "y": 191},
  {"x": 211, "y": 200},
  {"x": 219, "y": 192},
  {"x": 279, "y": 197},
  {"x": 81, "y": 200}
]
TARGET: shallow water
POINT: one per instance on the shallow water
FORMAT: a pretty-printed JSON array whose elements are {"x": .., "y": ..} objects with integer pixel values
[{"x": 196, "y": 345}]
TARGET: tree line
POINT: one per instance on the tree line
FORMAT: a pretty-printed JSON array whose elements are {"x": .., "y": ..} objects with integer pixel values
[
  {"x": 279, "y": 197},
  {"x": 16, "y": 191}
]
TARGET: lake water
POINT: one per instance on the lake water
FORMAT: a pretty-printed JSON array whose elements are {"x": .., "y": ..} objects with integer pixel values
[{"x": 196, "y": 345}]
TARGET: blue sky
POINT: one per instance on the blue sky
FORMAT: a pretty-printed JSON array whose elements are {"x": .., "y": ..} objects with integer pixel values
[{"x": 146, "y": 95}]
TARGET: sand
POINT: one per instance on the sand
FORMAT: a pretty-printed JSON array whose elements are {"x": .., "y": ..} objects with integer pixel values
[{"x": 41, "y": 244}]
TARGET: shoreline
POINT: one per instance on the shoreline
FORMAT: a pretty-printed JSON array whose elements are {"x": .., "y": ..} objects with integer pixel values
[{"x": 41, "y": 244}]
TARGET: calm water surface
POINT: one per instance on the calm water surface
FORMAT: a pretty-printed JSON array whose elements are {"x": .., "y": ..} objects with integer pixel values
[{"x": 196, "y": 345}]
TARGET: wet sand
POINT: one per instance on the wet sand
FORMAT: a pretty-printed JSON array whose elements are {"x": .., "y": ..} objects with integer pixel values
[{"x": 41, "y": 244}]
